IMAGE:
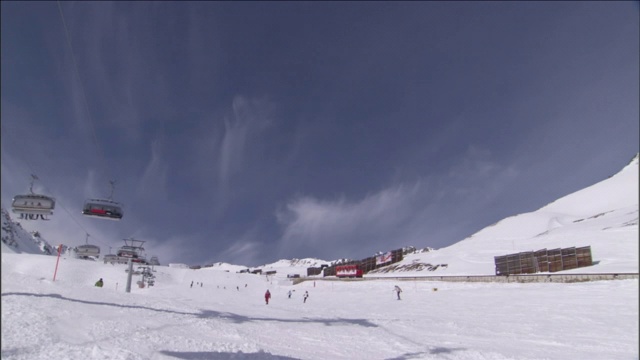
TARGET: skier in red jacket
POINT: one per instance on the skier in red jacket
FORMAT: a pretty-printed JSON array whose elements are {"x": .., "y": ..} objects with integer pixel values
[{"x": 267, "y": 296}]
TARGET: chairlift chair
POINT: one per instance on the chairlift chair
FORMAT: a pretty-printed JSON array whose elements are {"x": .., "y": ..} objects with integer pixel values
[
  {"x": 128, "y": 252},
  {"x": 133, "y": 250},
  {"x": 87, "y": 249},
  {"x": 33, "y": 206},
  {"x": 103, "y": 208}
]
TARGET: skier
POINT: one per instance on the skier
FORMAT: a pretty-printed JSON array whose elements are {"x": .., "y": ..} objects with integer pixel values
[
  {"x": 289, "y": 294},
  {"x": 306, "y": 295},
  {"x": 99, "y": 283},
  {"x": 267, "y": 296},
  {"x": 398, "y": 291}
]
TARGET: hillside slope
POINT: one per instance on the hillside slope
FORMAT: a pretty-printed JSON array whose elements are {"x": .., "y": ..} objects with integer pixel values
[
  {"x": 15, "y": 239},
  {"x": 603, "y": 216}
]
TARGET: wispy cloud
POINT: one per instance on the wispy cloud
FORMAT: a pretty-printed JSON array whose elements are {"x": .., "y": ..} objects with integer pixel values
[
  {"x": 90, "y": 188},
  {"x": 249, "y": 117},
  {"x": 315, "y": 224},
  {"x": 399, "y": 215},
  {"x": 477, "y": 171},
  {"x": 201, "y": 40},
  {"x": 119, "y": 71},
  {"x": 204, "y": 141},
  {"x": 243, "y": 252},
  {"x": 174, "y": 246},
  {"x": 15, "y": 178},
  {"x": 153, "y": 183}
]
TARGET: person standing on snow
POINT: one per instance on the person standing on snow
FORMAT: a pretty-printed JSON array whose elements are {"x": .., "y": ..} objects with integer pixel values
[
  {"x": 289, "y": 294},
  {"x": 306, "y": 295},
  {"x": 398, "y": 291},
  {"x": 267, "y": 296}
]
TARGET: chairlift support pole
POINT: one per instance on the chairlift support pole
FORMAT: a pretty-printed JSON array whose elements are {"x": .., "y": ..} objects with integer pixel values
[
  {"x": 33, "y": 178},
  {"x": 129, "y": 276},
  {"x": 112, "y": 182}
]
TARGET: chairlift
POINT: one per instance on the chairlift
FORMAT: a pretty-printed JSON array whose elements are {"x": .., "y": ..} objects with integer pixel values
[
  {"x": 128, "y": 252},
  {"x": 103, "y": 208},
  {"x": 132, "y": 249},
  {"x": 110, "y": 258},
  {"x": 33, "y": 206},
  {"x": 154, "y": 260},
  {"x": 87, "y": 249}
]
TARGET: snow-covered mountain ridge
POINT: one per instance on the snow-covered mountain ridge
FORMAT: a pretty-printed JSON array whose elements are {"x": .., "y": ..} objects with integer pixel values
[
  {"x": 18, "y": 240},
  {"x": 603, "y": 216}
]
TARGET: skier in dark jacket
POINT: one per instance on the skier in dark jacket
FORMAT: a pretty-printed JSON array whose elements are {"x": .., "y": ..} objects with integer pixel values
[{"x": 398, "y": 291}]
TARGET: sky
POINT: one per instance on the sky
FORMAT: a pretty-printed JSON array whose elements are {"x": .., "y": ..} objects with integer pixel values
[
  {"x": 248, "y": 132},
  {"x": 219, "y": 313}
]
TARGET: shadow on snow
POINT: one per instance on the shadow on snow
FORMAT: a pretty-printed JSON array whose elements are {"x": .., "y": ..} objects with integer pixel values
[
  {"x": 420, "y": 355},
  {"x": 238, "y": 319},
  {"x": 212, "y": 355},
  {"x": 208, "y": 314}
]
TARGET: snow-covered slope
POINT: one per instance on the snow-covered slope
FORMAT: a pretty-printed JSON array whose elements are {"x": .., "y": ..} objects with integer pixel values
[
  {"x": 15, "y": 239},
  {"x": 224, "y": 316},
  {"x": 603, "y": 216}
]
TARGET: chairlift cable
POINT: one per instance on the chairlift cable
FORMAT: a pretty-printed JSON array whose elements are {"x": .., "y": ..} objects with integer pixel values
[
  {"x": 113, "y": 185},
  {"x": 33, "y": 178},
  {"x": 82, "y": 90},
  {"x": 115, "y": 210}
]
